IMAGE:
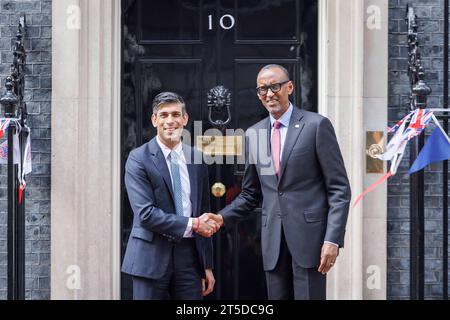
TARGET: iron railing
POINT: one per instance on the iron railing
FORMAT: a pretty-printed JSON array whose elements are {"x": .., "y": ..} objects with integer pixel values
[
  {"x": 15, "y": 108},
  {"x": 418, "y": 99}
]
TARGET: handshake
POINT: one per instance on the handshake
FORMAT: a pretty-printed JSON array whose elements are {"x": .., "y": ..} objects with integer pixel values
[{"x": 207, "y": 224}]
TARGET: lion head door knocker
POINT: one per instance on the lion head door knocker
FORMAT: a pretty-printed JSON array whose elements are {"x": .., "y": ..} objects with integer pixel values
[{"x": 219, "y": 102}]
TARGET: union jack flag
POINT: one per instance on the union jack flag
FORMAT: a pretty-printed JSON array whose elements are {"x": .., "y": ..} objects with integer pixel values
[
  {"x": 419, "y": 121},
  {"x": 4, "y": 123},
  {"x": 398, "y": 124}
]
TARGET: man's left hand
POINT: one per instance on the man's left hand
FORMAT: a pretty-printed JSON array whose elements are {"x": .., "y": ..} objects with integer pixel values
[
  {"x": 328, "y": 257},
  {"x": 208, "y": 283}
]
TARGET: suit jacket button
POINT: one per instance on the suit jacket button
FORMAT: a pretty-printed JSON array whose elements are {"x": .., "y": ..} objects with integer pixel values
[{"x": 280, "y": 193}]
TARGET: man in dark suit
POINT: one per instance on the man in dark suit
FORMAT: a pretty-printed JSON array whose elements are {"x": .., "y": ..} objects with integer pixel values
[
  {"x": 304, "y": 190},
  {"x": 169, "y": 253}
]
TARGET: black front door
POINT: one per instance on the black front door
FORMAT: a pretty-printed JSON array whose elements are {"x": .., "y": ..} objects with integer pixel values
[{"x": 191, "y": 47}]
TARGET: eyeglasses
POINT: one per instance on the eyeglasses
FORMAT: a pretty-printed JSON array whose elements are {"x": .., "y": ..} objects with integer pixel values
[{"x": 275, "y": 87}]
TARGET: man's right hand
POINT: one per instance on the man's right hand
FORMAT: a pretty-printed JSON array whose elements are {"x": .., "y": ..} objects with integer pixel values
[
  {"x": 206, "y": 226},
  {"x": 216, "y": 218}
]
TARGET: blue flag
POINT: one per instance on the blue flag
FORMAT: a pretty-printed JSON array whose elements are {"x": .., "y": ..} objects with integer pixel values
[{"x": 436, "y": 149}]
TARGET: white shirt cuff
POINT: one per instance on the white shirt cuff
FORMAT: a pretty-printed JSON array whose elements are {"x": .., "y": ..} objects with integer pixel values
[
  {"x": 331, "y": 243},
  {"x": 188, "y": 232}
]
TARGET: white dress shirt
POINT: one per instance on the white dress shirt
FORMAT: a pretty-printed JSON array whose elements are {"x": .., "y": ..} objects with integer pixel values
[
  {"x": 185, "y": 184},
  {"x": 284, "y": 120}
]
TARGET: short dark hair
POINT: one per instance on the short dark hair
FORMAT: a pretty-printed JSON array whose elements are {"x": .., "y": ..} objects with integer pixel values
[
  {"x": 272, "y": 66},
  {"x": 167, "y": 97}
]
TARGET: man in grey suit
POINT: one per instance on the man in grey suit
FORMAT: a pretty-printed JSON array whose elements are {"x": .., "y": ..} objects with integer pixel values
[
  {"x": 304, "y": 190},
  {"x": 169, "y": 252}
]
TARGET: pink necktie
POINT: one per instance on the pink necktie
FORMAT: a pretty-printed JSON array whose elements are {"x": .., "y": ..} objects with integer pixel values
[{"x": 276, "y": 145}]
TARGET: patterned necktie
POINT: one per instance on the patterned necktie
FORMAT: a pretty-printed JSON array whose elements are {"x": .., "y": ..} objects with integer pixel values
[
  {"x": 176, "y": 183},
  {"x": 276, "y": 145}
]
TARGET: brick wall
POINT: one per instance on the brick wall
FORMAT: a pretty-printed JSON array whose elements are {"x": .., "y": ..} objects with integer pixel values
[{"x": 38, "y": 97}]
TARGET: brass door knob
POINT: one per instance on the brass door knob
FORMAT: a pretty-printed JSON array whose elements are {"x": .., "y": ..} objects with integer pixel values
[{"x": 218, "y": 189}]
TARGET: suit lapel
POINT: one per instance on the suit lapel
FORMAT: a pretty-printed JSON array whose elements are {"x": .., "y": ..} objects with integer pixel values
[
  {"x": 161, "y": 164},
  {"x": 296, "y": 125}
]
